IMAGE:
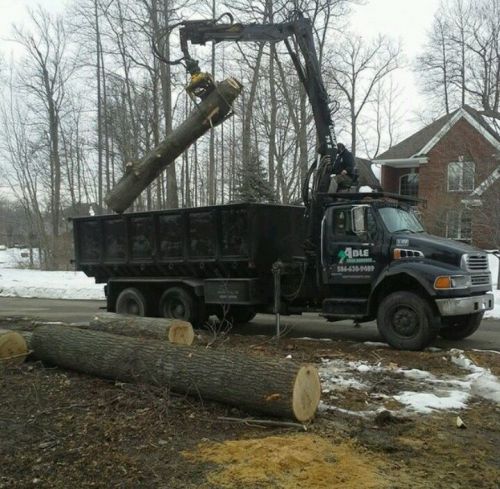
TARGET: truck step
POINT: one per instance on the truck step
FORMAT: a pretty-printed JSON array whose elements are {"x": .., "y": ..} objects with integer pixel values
[{"x": 345, "y": 307}]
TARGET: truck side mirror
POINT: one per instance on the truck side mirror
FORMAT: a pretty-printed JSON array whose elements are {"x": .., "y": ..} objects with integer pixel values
[{"x": 358, "y": 219}]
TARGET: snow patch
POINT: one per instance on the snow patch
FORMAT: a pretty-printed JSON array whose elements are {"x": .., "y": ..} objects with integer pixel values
[
  {"x": 48, "y": 285},
  {"x": 482, "y": 383},
  {"x": 16, "y": 257},
  {"x": 376, "y": 343},
  {"x": 422, "y": 392},
  {"x": 425, "y": 402}
]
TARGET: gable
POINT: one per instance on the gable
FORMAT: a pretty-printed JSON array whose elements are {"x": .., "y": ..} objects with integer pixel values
[
  {"x": 423, "y": 141},
  {"x": 472, "y": 121},
  {"x": 414, "y": 143}
]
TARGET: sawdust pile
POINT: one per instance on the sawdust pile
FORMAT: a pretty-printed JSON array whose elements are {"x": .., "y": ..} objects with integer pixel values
[{"x": 290, "y": 462}]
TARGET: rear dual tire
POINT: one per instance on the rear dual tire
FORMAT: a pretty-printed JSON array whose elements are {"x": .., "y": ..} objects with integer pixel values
[
  {"x": 175, "y": 303},
  {"x": 131, "y": 301},
  {"x": 179, "y": 303}
]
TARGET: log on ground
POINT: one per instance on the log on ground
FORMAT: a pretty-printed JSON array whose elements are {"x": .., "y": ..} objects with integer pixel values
[
  {"x": 13, "y": 347},
  {"x": 281, "y": 389},
  {"x": 209, "y": 113},
  {"x": 173, "y": 330}
]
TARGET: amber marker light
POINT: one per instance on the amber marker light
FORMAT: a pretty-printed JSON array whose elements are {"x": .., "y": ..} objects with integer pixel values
[
  {"x": 396, "y": 254},
  {"x": 443, "y": 283}
]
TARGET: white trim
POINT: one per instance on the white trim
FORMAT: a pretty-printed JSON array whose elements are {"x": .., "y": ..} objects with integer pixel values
[
  {"x": 437, "y": 137},
  {"x": 461, "y": 182},
  {"x": 471, "y": 120},
  {"x": 459, "y": 212},
  {"x": 403, "y": 162},
  {"x": 488, "y": 182}
]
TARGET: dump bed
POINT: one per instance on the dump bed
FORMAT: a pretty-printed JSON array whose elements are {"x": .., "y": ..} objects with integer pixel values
[{"x": 234, "y": 240}]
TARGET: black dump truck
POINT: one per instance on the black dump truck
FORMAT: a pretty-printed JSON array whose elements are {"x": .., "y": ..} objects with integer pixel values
[{"x": 372, "y": 260}]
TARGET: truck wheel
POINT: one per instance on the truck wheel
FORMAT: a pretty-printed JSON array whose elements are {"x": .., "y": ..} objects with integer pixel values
[
  {"x": 406, "y": 321},
  {"x": 131, "y": 301},
  {"x": 178, "y": 303},
  {"x": 460, "y": 327},
  {"x": 236, "y": 314}
]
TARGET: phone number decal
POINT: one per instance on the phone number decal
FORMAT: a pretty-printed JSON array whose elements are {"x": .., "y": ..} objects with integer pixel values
[{"x": 355, "y": 268}]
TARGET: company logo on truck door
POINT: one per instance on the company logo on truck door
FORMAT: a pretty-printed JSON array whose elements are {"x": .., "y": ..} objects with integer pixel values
[{"x": 354, "y": 255}]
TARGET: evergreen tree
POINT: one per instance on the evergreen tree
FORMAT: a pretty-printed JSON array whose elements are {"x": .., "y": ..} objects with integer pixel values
[{"x": 254, "y": 185}]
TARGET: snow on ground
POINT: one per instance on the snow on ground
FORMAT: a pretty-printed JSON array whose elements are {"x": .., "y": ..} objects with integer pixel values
[
  {"x": 417, "y": 391},
  {"x": 494, "y": 264},
  {"x": 16, "y": 257},
  {"x": 48, "y": 285},
  {"x": 18, "y": 281}
]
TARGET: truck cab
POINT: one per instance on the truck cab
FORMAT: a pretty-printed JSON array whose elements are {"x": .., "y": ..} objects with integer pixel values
[{"x": 377, "y": 262}]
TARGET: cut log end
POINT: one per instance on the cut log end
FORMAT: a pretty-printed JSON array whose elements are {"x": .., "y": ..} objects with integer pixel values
[
  {"x": 163, "y": 329},
  {"x": 13, "y": 348},
  {"x": 306, "y": 393},
  {"x": 181, "y": 333}
]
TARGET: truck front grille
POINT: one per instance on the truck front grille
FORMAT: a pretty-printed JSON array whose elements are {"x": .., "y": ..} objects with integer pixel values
[
  {"x": 480, "y": 279},
  {"x": 476, "y": 263}
]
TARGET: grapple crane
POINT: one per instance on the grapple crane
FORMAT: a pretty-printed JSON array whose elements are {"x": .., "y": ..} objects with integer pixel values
[
  {"x": 298, "y": 28},
  {"x": 216, "y": 100}
]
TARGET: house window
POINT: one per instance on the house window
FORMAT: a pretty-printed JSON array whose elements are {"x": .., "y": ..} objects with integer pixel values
[
  {"x": 408, "y": 185},
  {"x": 459, "y": 225},
  {"x": 461, "y": 176}
]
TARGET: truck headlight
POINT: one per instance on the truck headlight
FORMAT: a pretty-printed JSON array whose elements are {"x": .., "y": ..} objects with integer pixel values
[{"x": 453, "y": 282}]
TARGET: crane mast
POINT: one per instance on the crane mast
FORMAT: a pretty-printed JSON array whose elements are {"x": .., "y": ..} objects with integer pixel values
[{"x": 299, "y": 29}]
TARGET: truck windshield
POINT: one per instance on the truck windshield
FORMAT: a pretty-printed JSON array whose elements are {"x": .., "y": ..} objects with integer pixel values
[{"x": 396, "y": 219}]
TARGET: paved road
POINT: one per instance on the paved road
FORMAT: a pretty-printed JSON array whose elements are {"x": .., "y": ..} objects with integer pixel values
[{"x": 486, "y": 338}]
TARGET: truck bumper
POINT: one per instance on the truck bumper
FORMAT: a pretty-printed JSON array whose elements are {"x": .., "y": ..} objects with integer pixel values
[{"x": 465, "y": 305}]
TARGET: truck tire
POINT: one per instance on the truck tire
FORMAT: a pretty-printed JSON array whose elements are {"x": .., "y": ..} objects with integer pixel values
[
  {"x": 178, "y": 303},
  {"x": 406, "y": 321},
  {"x": 460, "y": 327},
  {"x": 131, "y": 301},
  {"x": 237, "y": 314}
]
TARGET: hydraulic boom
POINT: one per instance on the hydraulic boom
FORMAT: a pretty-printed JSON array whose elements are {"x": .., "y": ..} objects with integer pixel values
[{"x": 298, "y": 28}]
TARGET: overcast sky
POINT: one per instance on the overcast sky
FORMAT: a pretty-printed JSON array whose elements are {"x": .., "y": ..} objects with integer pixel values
[{"x": 407, "y": 20}]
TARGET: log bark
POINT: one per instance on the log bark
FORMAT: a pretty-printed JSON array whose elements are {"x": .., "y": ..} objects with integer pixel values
[
  {"x": 209, "y": 113},
  {"x": 173, "y": 330},
  {"x": 13, "y": 347},
  {"x": 282, "y": 389},
  {"x": 28, "y": 336}
]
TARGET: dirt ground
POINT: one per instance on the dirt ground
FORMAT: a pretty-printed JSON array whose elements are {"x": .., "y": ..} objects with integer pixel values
[{"x": 62, "y": 429}]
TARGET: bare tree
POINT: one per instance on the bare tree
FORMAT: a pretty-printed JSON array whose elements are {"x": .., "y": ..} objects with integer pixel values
[
  {"x": 45, "y": 73},
  {"x": 357, "y": 69},
  {"x": 462, "y": 59},
  {"x": 436, "y": 62},
  {"x": 379, "y": 128},
  {"x": 24, "y": 171}
]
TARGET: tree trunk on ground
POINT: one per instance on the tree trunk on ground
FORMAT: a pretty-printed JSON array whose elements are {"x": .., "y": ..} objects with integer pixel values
[
  {"x": 210, "y": 112},
  {"x": 173, "y": 330},
  {"x": 13, "y": 347},
  {"x": 281, "y": 389}
]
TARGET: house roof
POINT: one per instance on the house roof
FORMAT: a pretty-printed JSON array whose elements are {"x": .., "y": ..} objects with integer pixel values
[
  {"x": 366, "y": 175},
  {"x": 420, "y": 143}
]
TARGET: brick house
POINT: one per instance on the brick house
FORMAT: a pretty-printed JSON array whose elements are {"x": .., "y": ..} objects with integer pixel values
[{"x": 454, "y": 164}]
